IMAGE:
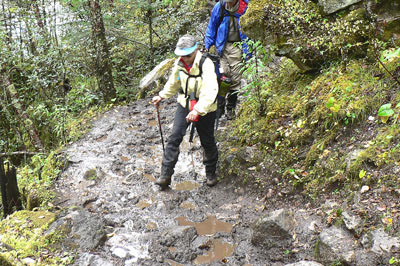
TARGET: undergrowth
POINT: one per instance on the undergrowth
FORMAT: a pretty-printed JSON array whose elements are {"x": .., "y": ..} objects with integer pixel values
[{"x": 322, "y": 129}]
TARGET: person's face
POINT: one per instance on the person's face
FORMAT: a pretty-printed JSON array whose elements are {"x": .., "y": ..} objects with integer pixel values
[
  {"x": 189, "y": 59},
  {"x": 231, "y": 4}
]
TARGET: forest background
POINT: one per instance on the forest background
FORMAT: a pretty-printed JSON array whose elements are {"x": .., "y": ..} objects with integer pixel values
[{"x": 323, "y": 121}]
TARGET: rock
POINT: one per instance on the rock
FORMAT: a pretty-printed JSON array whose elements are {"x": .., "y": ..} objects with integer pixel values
[
  {"x": 383, "y": 243},
  {"x": 150, "y": 81},
  {"x": 29, "y": 261},
  {"x": 367, "y": 258},
  {"x": 83, "y": 229},
  {"x": 332, "y": 6},
  {"x": 275, "y": 230},
  {"x": 351, "y": 222},
  {"x": 183, "y": 234},
  {"x": 129, "y": 245},
  {"x": 119, "y": 252},
  {"x": 305, "y": 263},
  {"x": 87, "y": 259},
  {"x": 352, "y": 157},
  {"x": 336, "y": 244},
  {"x": 364, "y": 189}
]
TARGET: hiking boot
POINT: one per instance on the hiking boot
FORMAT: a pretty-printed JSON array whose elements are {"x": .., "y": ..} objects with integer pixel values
[
  {"x": 230, "y": 114},
  {"x": 163, "y": 181},
  {"x": 211, "y": 180}
]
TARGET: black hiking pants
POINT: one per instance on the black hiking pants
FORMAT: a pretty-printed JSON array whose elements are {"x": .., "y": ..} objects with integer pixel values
[{"x": 205, "y": 130}]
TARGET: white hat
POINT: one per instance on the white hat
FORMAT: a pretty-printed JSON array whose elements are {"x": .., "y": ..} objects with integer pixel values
[{"x": 186, "y": 45}]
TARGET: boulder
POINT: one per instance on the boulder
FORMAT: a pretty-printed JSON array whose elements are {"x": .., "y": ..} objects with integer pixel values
[
  {"x": 88, "y": 259},
  {"x": 275, "y": 230},
  {"x": 82, "y": 229},
  {"x": 156, "y": 78},
  {"x": 305, "y": 263},
  {"x": 383, "y": 243},
  {"x": 312, "y": 33},
  {"x": 332, "y": 6},
  {"x": 336, "y": 244}
]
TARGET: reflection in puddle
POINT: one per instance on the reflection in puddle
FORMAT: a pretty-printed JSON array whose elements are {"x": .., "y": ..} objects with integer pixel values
[
  {"x": 186, "y": 186},
  {"x": 208, "y": 227},
  {"x": 174, "y": 263},
  {"x": 143, "y": 204},
  {"x": 132, "y": 128},
  {"x": 219, "y": 251},
  {"x": 188, "y": 205},
  {"x": 102, "y": 139},
  {"x": 152, "y": 123},
  {"x": 125, "y": 159},
  {"x": 150, "y": 177},
  {"x": 151, "y": 226}
]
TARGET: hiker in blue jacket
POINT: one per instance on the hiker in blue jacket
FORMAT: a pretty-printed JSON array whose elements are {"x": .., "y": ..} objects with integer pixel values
[{"x": 222, "y": 32}]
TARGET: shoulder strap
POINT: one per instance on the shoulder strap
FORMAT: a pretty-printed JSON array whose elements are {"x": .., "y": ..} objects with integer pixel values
[
  {"x": 202, "y": 59},
  {"x": 221, "y": 12}
]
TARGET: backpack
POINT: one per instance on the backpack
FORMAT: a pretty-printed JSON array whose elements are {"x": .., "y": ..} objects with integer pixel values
[{"x": 223, "y": 82}]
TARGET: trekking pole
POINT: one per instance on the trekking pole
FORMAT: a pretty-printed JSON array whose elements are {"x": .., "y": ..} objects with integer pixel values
[
  {"x": 159, "y": 127},
  {"x": 191, "y": 136}
]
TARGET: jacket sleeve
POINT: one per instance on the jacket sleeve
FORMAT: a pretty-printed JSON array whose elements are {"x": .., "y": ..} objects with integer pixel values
[
  {"x": 209, "y": 88},
  {"x": 212, "y": 28},
  {"x": 173, "y": 84}
]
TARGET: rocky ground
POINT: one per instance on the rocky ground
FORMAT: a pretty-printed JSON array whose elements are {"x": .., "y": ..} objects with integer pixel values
[{"x": 113, "y": 214}]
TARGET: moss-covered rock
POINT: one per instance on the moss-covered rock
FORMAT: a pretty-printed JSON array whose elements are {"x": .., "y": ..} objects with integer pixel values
[
  {"x": 313, "y": 123},
  {"x": 23, "y": 233},
  {"x": 301, "y": 32}
]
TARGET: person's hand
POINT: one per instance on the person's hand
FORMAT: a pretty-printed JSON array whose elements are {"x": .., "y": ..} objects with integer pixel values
[
  {"x": 156, "y": 100},
  {"x": 192, "y": 116}
]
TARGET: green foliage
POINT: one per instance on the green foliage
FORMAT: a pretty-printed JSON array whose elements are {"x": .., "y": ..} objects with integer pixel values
[
  {"x": 25, "y": 233},
  {"x": 299, "y": 27},
  {"x": 252, "y": 69},
  {"x": 305, "y": 122},
  {"x": 37, "y": 178}
]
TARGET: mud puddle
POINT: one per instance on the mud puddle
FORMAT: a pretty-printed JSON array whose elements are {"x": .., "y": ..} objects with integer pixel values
[{"x": 189, "y": 224}]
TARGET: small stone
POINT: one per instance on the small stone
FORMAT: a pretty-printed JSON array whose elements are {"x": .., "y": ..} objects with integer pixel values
[
  {"x": 364, "y": 189},
  {"x": 28, "y": 261},
  {"x": 120, "y": 253}
]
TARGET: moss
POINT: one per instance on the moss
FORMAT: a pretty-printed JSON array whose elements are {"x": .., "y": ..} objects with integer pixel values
[
  {"x": 310, "y": 118},
  {"x": 4, "y": 261}
]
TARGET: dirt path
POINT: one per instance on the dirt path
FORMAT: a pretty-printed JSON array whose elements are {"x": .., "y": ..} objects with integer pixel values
[{"x": 111, "y": 174}]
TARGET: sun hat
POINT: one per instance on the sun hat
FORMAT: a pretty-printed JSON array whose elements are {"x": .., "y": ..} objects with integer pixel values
[{"x": 186, "y": 45}]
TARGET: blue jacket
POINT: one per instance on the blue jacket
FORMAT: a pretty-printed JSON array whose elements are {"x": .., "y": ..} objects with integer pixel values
[{"x": 217, "y": 35}]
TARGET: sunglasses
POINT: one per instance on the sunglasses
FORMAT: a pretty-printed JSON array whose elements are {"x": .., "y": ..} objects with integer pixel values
[{"x": 189, "y": 55}]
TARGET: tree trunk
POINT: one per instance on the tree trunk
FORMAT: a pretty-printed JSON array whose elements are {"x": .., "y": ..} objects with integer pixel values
[
  {"x": 9, "y": 190},
  {"x": 150, "y": 16},
  {"x": 102, "y": 62},
  {"x": 21, "y": 113}
]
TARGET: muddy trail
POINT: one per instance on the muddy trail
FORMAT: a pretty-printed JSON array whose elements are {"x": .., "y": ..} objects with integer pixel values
[{"x": 111, "y": 173}]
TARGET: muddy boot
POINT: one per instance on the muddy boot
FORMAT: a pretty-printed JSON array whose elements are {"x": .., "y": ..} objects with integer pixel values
[
  {"x": 165, "y": 178},
  {"x": 230, "y": 114},
  {"x": 211, "y": 180},
  {"x": 163, "y": 181}
]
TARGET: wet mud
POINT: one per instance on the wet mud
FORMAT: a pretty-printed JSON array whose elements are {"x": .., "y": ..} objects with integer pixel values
[{"x": 111, "y": 173}]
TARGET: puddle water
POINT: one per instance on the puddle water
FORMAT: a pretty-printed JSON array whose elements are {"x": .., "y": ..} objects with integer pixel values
[
  {"x": 152, "y": 123},
  {"x": 143, "y": 204},
  {"x": 150, "y": 177},
  {"x": 186, "y": 186},
  {"x": 102, "y": 139},
  {"x": 219, "y": 251},
  {"x": 188, "y": 205},
  {"x": 174, "y": 263},
  {"x": 208, "y": 227},
  {"x": 132, "y": 128},
  {"x": 125, "y": 159},
  {"x": 151, "y": 226}
]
